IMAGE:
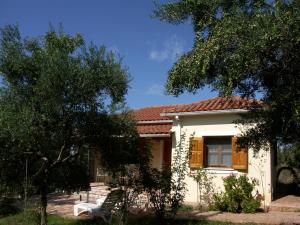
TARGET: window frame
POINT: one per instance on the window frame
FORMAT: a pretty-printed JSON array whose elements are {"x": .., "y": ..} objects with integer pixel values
[{"x": 205, "y": 138}]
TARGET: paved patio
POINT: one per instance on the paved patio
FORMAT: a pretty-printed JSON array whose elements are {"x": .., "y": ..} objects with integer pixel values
[
  {"x": 63, "y": 205},
  {"x": 260, "y": 218},
  {"x": 289, "y": 203}
]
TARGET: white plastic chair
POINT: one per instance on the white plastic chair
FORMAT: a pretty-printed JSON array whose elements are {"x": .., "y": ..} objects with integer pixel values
[{"x": 91, "y": 208}]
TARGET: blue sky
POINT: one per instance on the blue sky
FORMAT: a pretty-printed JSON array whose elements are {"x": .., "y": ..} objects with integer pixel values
[{"x": 149, "y": 47}]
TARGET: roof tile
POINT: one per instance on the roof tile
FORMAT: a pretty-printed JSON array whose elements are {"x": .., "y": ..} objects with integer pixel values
[
  {"x": 154, "y": 128},
  {"x": 218, "y": 103},
  {"x": 152, "y": 113}
]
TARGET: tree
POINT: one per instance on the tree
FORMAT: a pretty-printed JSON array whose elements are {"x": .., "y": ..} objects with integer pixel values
[
  {"x": 246, "y": 47},
  {"x": 55, "y": 102},
  {"x": 289, "y": 156}
]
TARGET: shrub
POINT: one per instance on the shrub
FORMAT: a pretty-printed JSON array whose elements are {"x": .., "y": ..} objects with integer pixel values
[
  {"x": 30, "y": 216},
  {"x": 238, "y": 195},
  {"x": 131, "y": 184},
  {"x": 167, "y": 188},
  {"x": 186, "y": 208},
  {"x": 26, "y": 217},
  {"x": 7, "y": 207},
  {"x": 206, "y": 188}
]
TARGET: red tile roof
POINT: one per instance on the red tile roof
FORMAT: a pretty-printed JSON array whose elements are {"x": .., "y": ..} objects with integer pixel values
[
  {"x": 218, "y": 103},
  {"x": 152, "y": 113},
  {"x": 154, "y": 128}
]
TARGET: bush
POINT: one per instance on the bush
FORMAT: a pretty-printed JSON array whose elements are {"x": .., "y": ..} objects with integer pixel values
[
  {"x": 186, "y": 208},
  {"x": 238, "y": 195},
  {"x": 289, "y": 155},
  {"x": 7, "y": 207},
  {"x": 26, "y": 217},
  {"x": 30, "y": 216},
  {"x": 159, "y": 189},
  {"x": 132, "y": 187},
  {"x": 206, "y": 188},
  {"x": 167, "y": 188}
]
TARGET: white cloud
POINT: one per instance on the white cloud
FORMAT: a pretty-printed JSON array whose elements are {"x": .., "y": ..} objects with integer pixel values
[
  {"x": 155, "y": 89},
  {"x": 171, "y": 49},
  {"x": 158, "y": 55}
]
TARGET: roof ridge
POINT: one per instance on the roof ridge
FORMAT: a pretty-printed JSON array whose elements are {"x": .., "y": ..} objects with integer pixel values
[
  {"x": 159, "y": 112},
  {"x": 157, "y": 106},
  {"x": 216, "y": 103},
  {"x": 236, "y": 97}
]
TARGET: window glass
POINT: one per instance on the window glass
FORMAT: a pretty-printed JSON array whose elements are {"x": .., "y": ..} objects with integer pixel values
[{"x": 218, "y": 151}]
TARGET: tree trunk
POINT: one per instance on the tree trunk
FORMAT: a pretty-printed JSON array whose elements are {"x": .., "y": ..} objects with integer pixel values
[{"x": 44, "y": 192}]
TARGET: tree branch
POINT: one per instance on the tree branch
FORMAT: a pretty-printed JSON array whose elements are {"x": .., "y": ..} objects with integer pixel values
[
  {"x": 58, "y": 160},
  {"x": 63, "y": 160},
  {"x": 61, "y": 151},
  {"x": 42, "y": 168},
  {"x": 68, "y": 157}
]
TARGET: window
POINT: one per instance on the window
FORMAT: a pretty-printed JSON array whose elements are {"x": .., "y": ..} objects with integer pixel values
[{"x": 218, "y": 152}]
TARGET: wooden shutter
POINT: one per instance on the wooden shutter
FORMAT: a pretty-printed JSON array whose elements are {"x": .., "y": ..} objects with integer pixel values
[
  {"x": 167, "y": 153},
  {"x": 239, "y": 155},
  {"x": 197, "y": 153}
]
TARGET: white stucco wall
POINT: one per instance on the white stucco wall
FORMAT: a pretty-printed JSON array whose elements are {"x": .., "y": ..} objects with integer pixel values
[{"x": 259, "y": 165}]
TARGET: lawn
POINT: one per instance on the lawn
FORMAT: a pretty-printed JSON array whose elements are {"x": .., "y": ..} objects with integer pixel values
[{"x": 32, "y": 219}]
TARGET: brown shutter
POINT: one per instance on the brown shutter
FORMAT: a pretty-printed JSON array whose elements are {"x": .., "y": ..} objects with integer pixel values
[
  {"x": 167, "y": 153},
  {"x": 197, "y": 153},
  {"x": 239, "y": 155}
]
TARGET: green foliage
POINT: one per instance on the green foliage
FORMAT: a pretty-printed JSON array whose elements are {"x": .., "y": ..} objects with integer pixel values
[
  {"x": 26, "y": 217},
  {"x": 289, "y": 155},
  {"x": 238, "y": 195},
  {"x": 132, "y": 186},
  {"x": 167, "y": 188},
  {"x": 244, "y": 47},
  {"x": 56, "y": 102},
  {"x": 7, "y": 207},
  {"x": 30, "y": 216},
  {"x": 186, "y": 208},
  {"x": 179, "y": 172},
  {"x": 158, "y": 187},
  {"x": 288, "y": 170},
  {"x": 206, "y": 188}
]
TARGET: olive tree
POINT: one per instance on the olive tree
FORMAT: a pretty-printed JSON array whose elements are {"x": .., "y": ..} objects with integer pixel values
[{"x": 56, "y": 102}]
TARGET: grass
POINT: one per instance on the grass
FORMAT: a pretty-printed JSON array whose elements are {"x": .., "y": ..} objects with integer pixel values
[
  {"x": 32, "y": 218},
  {"x": 26, "y": 219}
]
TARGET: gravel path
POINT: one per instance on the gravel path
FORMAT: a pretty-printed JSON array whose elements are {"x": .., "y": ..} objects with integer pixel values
[{"x": 260, "y": 218}]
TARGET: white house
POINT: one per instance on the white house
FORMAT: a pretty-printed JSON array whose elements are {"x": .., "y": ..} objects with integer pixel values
[{"x": 211, "y": 124}]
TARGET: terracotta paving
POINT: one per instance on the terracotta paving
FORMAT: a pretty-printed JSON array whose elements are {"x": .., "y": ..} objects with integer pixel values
[
  {"x": 63, "y": 205},
  {"x": 289, "y": 203},
  {"x": 259, "y": 218}
]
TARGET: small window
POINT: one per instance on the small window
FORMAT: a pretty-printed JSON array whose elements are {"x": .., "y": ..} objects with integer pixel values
[{"x": 219, "y": 151}]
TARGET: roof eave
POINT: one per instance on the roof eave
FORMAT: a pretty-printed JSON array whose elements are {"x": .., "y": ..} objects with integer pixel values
[
  {"x": 155, "y": 135},
  {"x": 210, "y": 112},
  {"x": 154, "y": 121}
]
